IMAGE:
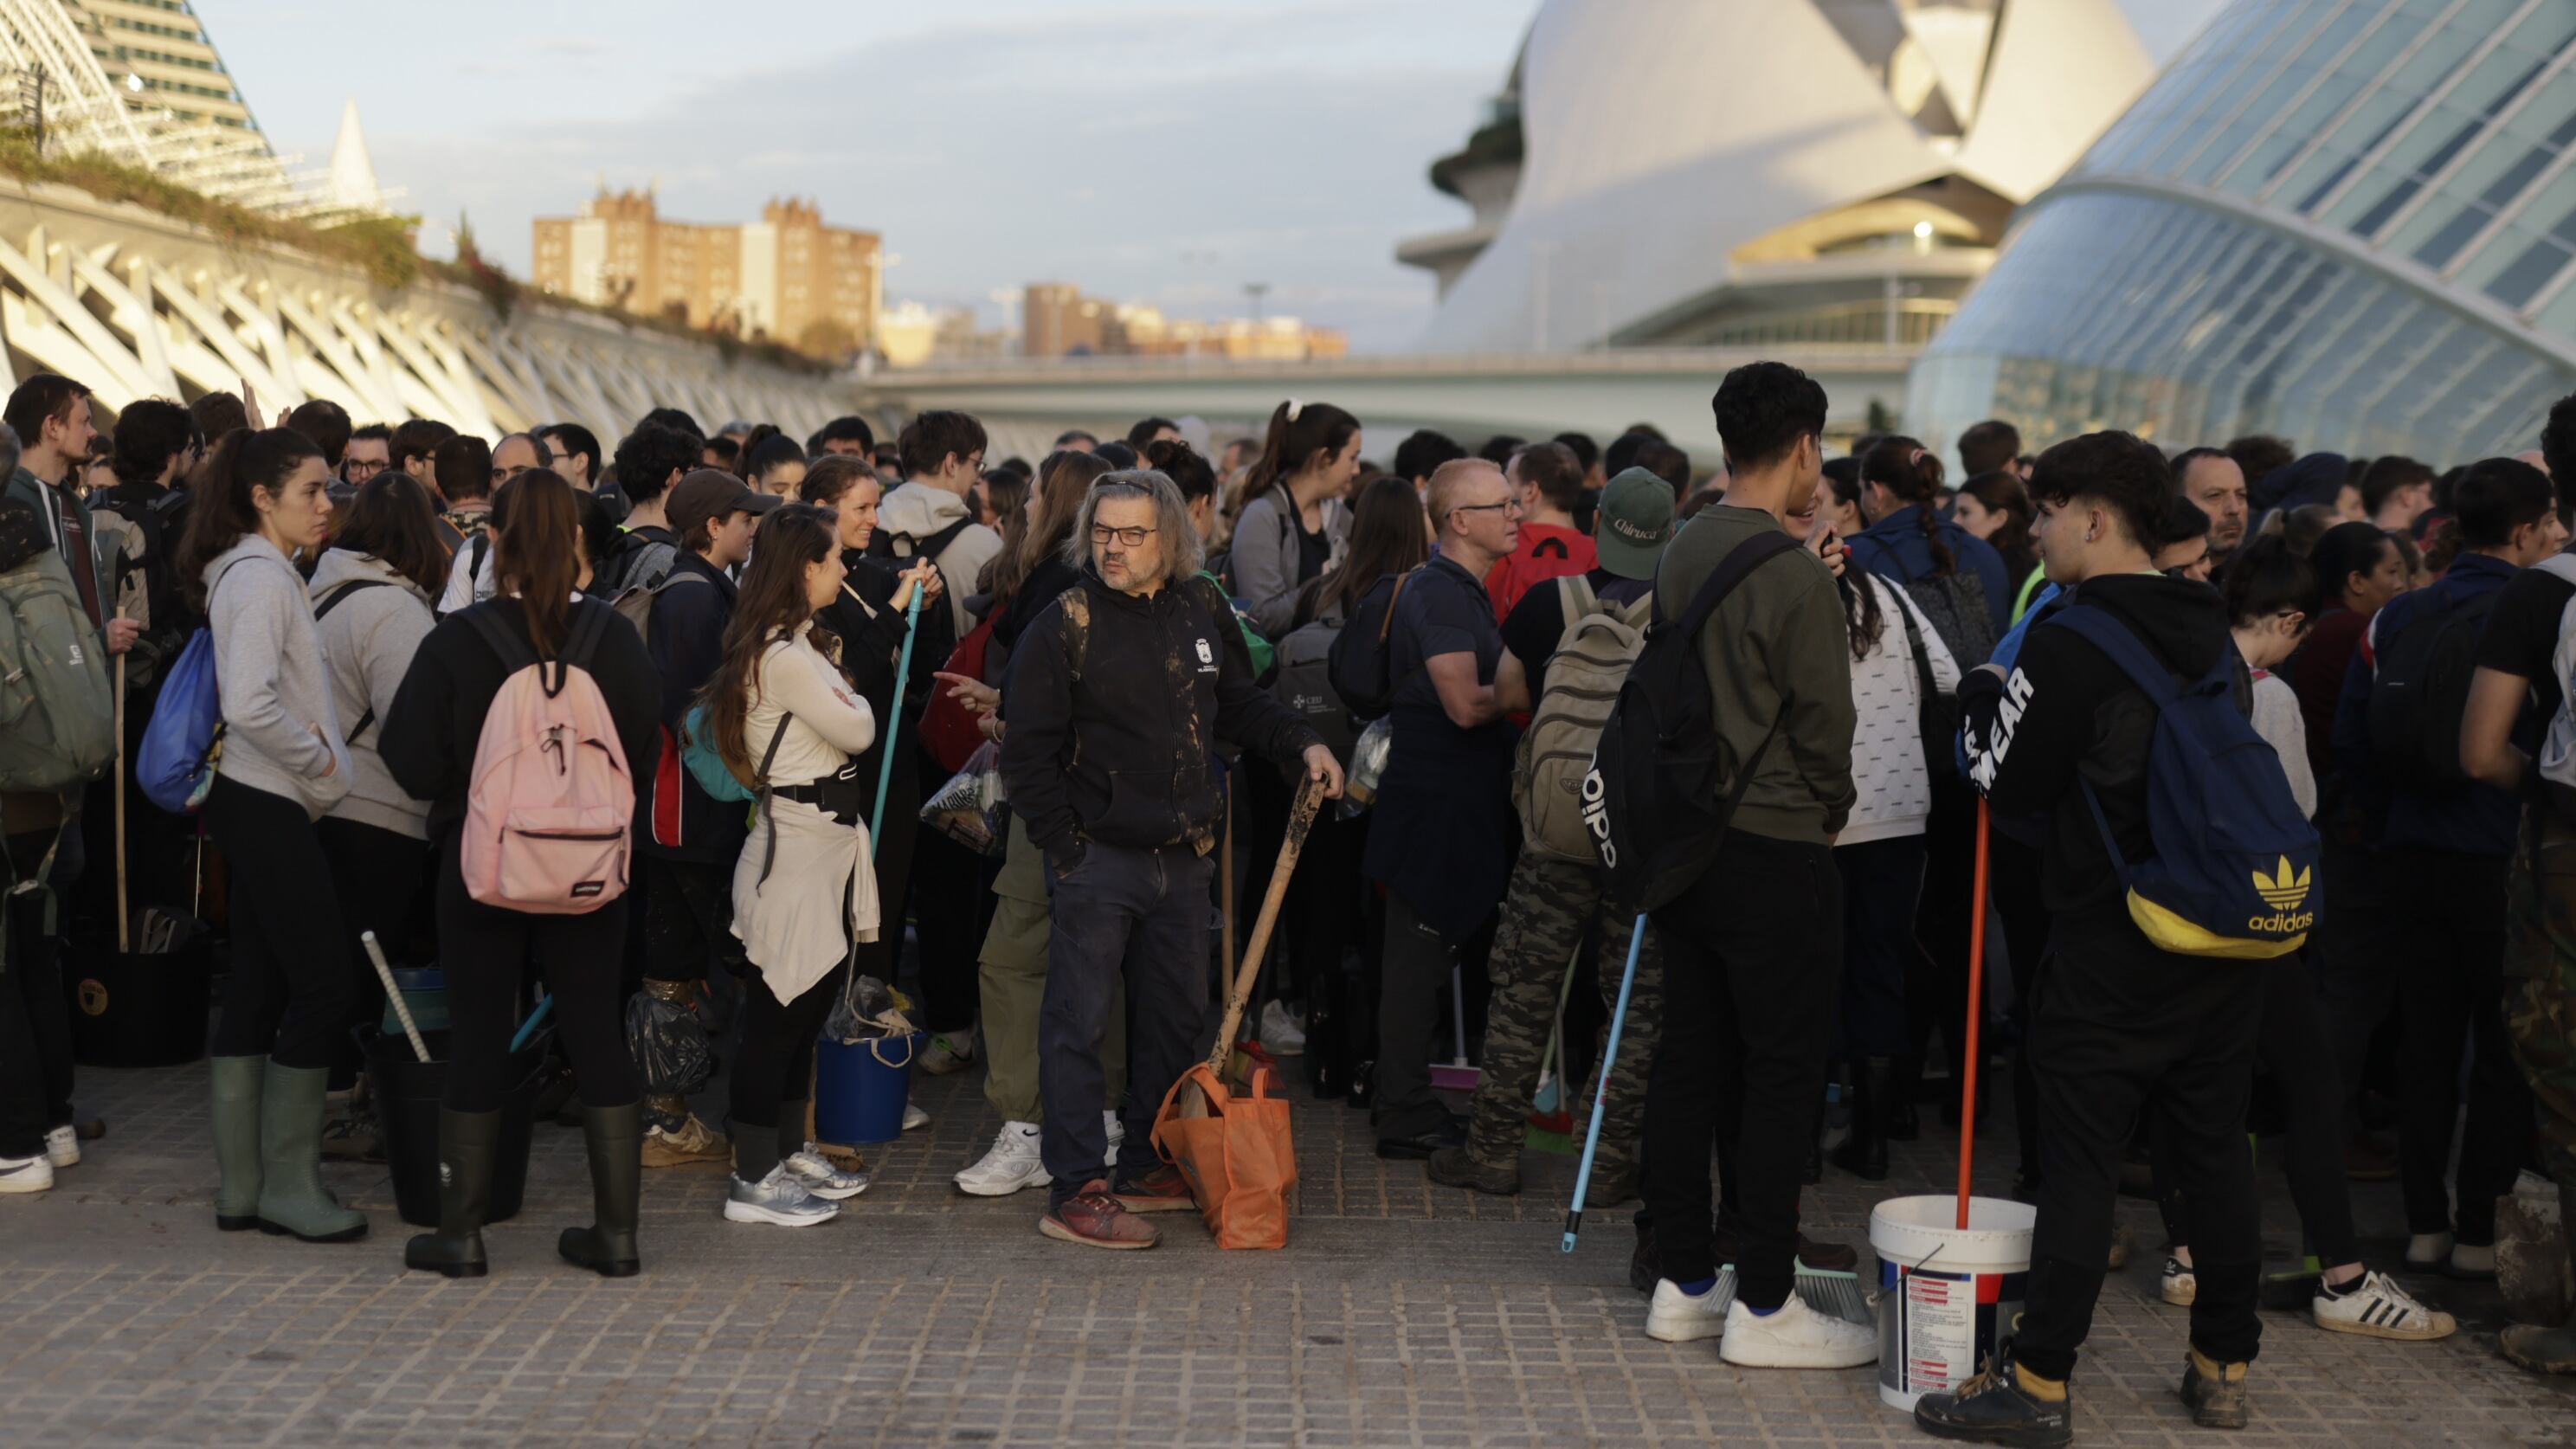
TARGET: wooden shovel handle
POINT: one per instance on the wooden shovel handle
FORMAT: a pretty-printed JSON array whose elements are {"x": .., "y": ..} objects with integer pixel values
[{"x": 1310, "y": 794}]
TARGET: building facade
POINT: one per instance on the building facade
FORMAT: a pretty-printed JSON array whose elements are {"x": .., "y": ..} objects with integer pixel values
[
  {"x": 786, "y": 277},
  {"x": 1057, "y": 320},
  {"x": 159, "y": 52},
  {"x": 2351, "y": 223}
]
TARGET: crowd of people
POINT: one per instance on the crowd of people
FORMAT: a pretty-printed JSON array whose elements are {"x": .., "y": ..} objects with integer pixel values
[{"x": 632, "y": 731}]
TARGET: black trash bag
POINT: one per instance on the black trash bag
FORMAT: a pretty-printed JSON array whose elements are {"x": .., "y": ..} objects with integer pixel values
[{"x": 668, "y": 1039}]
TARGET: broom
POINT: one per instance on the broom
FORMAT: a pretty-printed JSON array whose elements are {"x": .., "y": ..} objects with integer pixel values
[{"x": 1192, "y": 1101}]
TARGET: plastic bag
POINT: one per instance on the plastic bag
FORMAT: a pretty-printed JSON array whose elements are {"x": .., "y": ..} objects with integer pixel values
[
  {"x": 868, "y": 1009},
  {"x": 668, "y": 1039},
  {"x": 1368, "y": 766},
  {"x": 968, "y": 809}
]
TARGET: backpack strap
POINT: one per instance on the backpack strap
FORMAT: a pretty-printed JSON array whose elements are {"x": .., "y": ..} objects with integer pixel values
[
  {"x": 514, "y": 651},
  {"x": 1574, "y": 593},
  {"x": 933, "y": 545},
  {"x": 332, "y": 599},
  {"x": 1386, "y": 625},
  {"x": 769, "y": 853}
]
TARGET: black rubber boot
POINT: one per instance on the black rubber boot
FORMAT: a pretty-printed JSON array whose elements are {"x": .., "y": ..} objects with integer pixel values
[
  {"x": 614, "y": 1137},
  {"x": 467, "y": 1143},
  {"x": 1864, "y": 1153}
]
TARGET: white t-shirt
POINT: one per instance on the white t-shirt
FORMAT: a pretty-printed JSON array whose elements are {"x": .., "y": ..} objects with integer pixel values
[{"x": 463, "y": 590}]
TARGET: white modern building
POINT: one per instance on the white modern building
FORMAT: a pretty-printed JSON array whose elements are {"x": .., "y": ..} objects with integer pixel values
[
  {"x": 2351, "y": 223},
  {"x": 1764, "y": 173}
]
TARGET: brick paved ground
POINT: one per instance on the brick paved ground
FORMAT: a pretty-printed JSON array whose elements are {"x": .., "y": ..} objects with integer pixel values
[{"x": 1399, "y": 1315}]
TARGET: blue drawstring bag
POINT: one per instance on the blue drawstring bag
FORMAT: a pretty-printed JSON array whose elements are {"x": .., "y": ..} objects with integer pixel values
[{"x": 176, "y": 764}]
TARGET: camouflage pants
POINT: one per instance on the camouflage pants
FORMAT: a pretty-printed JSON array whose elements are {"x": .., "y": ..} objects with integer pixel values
[
  {"x": 1545, "y": 910},
  {"x": 2540, "y": 982}
]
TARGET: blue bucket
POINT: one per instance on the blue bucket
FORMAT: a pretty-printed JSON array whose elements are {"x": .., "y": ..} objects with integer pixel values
[
  {"x": 424, "y": 990},
  {"x": 860, "y": 1089}
]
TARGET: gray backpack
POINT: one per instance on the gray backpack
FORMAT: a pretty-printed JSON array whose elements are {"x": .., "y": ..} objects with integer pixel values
[
  {"x": 1303, "y": 682},
  {"x": 57, "y": 708}
]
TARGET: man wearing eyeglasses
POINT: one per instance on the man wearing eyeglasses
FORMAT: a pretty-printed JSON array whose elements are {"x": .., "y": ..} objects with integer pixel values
[
  {"x": 369, "y": 453},
  {"x": 1118, "y": 694},
  {"x": 1441, "y": 838}
]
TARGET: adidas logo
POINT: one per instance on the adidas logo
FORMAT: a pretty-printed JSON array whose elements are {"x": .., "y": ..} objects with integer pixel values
[{"x": 2283, "y": 889}]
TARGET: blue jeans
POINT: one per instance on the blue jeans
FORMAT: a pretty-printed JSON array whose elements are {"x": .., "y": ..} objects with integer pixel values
[{"x": 1140, "y": 915}]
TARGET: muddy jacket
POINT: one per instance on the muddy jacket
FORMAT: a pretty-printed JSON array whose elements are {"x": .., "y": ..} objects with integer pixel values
[{"x": 1114, "y": 705}]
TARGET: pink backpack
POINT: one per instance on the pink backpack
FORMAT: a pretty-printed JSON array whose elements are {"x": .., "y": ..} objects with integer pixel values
[{"x": 547, "y": 814}]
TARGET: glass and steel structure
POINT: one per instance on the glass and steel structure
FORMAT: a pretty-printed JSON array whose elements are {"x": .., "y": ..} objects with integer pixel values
[{"x": 2348, "y": 222}]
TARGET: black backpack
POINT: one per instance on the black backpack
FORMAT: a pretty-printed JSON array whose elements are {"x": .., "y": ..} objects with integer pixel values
[
  {"x": 2420, "y": 691},
  {"x": 1357, "y": 668},
  {"x": 1658, "y": 797}
]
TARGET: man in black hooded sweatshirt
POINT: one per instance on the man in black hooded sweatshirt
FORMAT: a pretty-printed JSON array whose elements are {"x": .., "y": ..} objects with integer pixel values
[{"x": 2116, "y": 1022}]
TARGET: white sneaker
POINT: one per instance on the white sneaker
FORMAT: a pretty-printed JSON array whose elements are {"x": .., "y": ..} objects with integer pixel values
[
  {"x": 1677, "y": 1317},
  {"x": 821, "y": 1176},
  {"x": 914, "y": 1119},
  {"x": 1797, "y": 1336},
  {"x": 1280, "y": 1031},
  {"x": 1009, "y": 1165},
  {"x": 62, "y": 1146},
  {"x": 1117, "y": 1131},
  {"x": 949, "y": 1052},
  {"x": 779, "y": 1198},
  {"x": 2181, "y": 1285},
  {"x": 2378, "y": 1308},
  {"x": 25, "y": 1174},
  {"x": 2428, "y": 1252},
  {"x": 2475, "y": 1262}
]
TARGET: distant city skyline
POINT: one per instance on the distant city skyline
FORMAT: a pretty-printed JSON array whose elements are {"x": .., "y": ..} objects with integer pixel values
[{"x": 1139, "y": 152}]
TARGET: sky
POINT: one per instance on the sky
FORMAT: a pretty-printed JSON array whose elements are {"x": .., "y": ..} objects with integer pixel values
[{"x": 1163, "y": 151}]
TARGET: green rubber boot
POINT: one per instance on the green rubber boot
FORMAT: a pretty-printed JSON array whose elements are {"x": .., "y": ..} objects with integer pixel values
[
  {"x": 614, "y": 1137},
  {"x": 467, "y": 1143},
  {"x": 2548, "y": 1350},
  {"x": 236, "y": 1094},
  {"x": 292, "y": 1200}
]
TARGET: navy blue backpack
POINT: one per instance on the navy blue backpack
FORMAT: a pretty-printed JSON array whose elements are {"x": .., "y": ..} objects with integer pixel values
[{"x": 2234, "y": 873}]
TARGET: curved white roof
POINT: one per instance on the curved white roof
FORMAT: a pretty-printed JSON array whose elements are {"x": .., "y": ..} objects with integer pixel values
[{"x": 1662, "y": 134}]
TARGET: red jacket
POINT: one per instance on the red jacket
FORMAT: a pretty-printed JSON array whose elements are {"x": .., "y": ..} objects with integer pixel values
[{"x": 1546, "y": 552}]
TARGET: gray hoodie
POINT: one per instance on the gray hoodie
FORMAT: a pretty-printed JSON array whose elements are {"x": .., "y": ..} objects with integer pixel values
[
  {"x": 269, "y": 673},
  {"x": 1265, "y": 557},
  {"x": 916, "y": 511},
  {"x": 368, "y": 640}
]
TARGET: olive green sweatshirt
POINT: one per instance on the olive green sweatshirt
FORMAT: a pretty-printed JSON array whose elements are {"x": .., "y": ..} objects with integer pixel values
[{"x": 1775, "y": 649}]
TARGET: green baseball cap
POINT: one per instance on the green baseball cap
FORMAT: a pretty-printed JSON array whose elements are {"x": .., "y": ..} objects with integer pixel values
[{"x": 1634, "y": 523}]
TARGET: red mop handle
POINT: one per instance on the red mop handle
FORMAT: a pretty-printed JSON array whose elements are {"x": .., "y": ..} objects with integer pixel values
[{"x": 1976, "y": 1011}]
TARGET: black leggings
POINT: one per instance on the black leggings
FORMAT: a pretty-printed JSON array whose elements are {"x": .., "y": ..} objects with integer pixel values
[
  {"x": 289, "y": 993},
  {"x": 376, "y": 874},
  {"x": 769, "y": 1075},
  {"x": 486, "y": 949}
]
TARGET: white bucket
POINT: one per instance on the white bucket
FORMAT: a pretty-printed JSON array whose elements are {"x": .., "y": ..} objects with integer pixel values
[{"x": 1948, "y": 1295}]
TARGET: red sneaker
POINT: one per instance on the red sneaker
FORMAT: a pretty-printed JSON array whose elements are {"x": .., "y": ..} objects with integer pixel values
[
  {"x": 1162, "y": 1190},
  {"x": 1096, "y": 1219}
]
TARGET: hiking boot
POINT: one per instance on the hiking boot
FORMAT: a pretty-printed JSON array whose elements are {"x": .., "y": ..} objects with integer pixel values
[
  {"x": 1116, "y": 1131},
  {"x": 2180, "y": 1285},
  {"x": 2366, "y": 1161},
  {"x": 1095, "y": 1219},
  {"x": 1457, "y": 1167},
  {"x": 2214, "y": 1391},
  {"x": 2376, "y": 1307},
  {"x": 351, "y": 1137},
  {"x": 1676, "y": 1316},
  {"x": 1864, "y": 1153},
  {"x": 292, "y": 1200},
  {"x": 2003, "y": 1404},
  {"x": 950, "y": 1051},
  {"x": 782, "y": 1198},
  {"x": 692, "y": 1141},
  {"x": 1010, "y": 1164},
  {"x": 1162, "y": 1190},
  {"x": 1280, "y": 1031},
  {"x": 236, "y": 1089},
  {"x": 1794, "y": 1335},
  {"x": 1831, "y": 1257},
  {"x": 612, "y": 1138},
  {"x": 62, "y": 1146},
  {"x": 467, "y": 1142},
  {"x": 823, "y": 1177},
  {"x": 25, "y": 1174},
  {"x": 1452, "y": 1132}
]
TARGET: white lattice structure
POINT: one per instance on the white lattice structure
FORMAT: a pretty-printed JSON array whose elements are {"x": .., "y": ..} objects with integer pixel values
[{"x": 137, "y": 305}]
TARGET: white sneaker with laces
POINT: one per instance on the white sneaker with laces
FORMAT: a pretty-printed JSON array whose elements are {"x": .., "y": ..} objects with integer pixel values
[
  {"x": 1796, "y": 1336},
  {"x": 1117, "y": 1131},
  {"x": 1673, "y": 1316},
  {"x": 25, "y": 1174},
  {"x": 1010, "y": 1164},
  {"x": 780, "y": 1198},
  {"x": 2181, "y": 1285},
  {"x": 949, "y": 1052},
  {"x": 821, "y": 1176},
  {"x": 914, "y": 1119},
  {"x": 62, "y": 1146},
  {"x": 2378, "y": 1308},
  {"x": 1280, "y": 1031}
]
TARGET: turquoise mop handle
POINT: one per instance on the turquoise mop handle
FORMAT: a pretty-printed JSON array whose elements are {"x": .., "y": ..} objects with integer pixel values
[
  {"x": 894, "y": 726},
  {"x": 1601, "y": 1094}
]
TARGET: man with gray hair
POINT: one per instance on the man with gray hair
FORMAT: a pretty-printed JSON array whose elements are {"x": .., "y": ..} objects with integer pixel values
[{"x": 1117, "y": 695}]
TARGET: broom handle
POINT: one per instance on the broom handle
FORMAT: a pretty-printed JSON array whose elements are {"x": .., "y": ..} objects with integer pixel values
[
  {"x": 1976, "y": 985},
  {"x": 894, "y": 726},
  {"x": 393, "y": 993},
  {"x": 1601, "y": 1097},
  {"x": 1309, "y": 795}
]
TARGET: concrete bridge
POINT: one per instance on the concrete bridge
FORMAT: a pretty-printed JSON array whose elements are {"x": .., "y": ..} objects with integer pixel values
[
  {"x": 137, "y": 304},
  {"x": 1025, "y": 405}
]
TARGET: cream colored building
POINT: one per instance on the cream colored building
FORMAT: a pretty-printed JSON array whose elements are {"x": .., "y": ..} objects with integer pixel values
[{"x": 786, "y": 277}]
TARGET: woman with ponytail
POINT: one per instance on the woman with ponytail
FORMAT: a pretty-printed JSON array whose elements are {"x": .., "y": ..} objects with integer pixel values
[
  {"x": 1292, "y": 524},
  {"x": 280, "y": 764},
  {"x": 1910, "y": 540},
  {"x": 429, "y": 741}
]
